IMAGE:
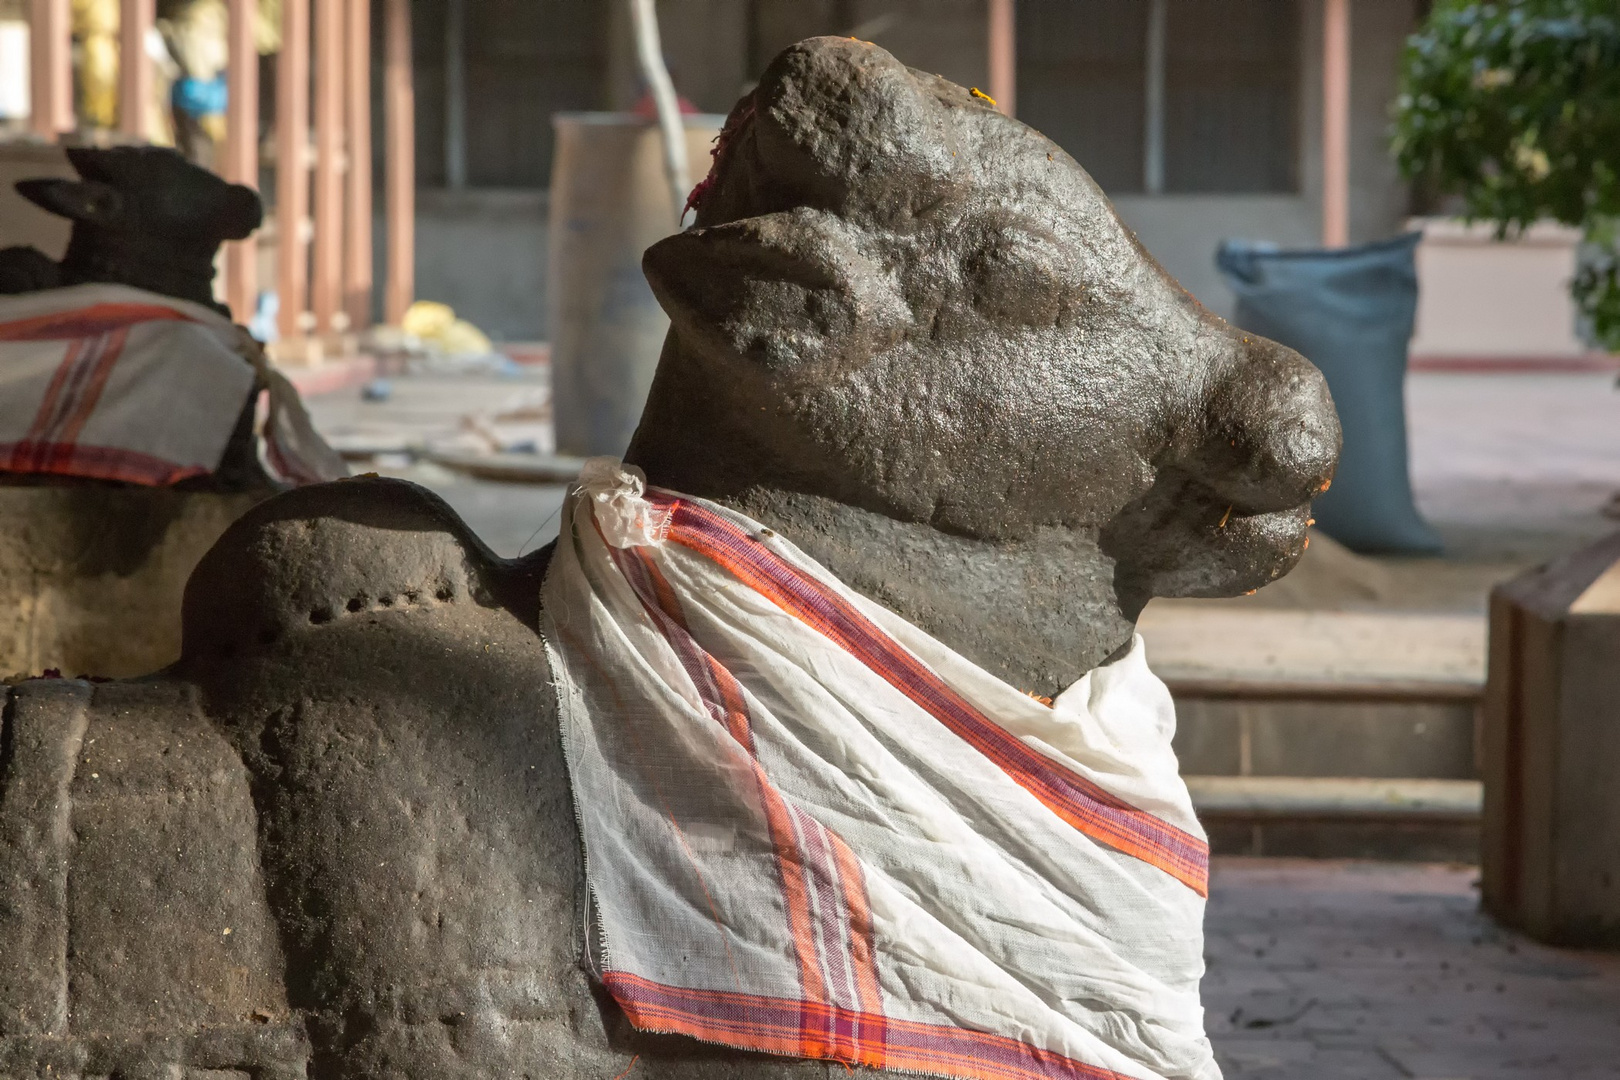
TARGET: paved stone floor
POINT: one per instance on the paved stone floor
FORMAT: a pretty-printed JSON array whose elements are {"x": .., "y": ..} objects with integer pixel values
[
  {"x": 1514, "y": 465},
  {"x": 1362, "y": 971},
  {"x": 512, "y": 519}
]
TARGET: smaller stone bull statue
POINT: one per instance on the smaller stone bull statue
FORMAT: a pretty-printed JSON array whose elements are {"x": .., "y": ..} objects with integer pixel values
[
  {"x": 335, "y": 840},
  {"x": 147, "y": 217},
  {"x": 142, "y": 216}
]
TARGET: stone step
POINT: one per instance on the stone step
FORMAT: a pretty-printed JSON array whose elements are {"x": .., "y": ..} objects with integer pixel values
[
  {"x": 1343, "y": 734},
  {"x": 1298, "y": 798},
  {"x": 1210, "y": 640},
  {"x": 1320, "y": 693},
  {"x": 1340, "y": 817},
  {"x": 1239, "y": 728}
]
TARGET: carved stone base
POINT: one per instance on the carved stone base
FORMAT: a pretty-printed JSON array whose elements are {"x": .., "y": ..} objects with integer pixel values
[{"x": 336, "y": 840}]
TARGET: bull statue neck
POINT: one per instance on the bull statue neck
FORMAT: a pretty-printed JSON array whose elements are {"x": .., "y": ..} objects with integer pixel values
[{"x": 1037, "y": 612}]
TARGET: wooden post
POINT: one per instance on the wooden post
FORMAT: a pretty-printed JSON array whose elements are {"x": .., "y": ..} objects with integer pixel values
[
  {"x": 241, "y": 164},
  {"x": 1003, "y": 54},
  {"x": 357, "y": 238},
  {"x": 134, "y": 67},
  {"x": 1335, "y": 123},
  {"x": 50, "y": 73},
  {"x": 400, "y": 155},
  {"x": 326, "y": 288},
  {"x": 292, "y": 166}
]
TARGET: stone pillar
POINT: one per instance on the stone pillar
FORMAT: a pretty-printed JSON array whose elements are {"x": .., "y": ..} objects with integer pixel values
[
  {"x": 50, "y": 36},
  {"x": 399, "y": 110},
  {"x": 292, "y": 167},
  {"x": 241, "y": 164},
  {"x": 331, "y": 153},
  {"x": 1551, "y": 750},
  {"x": 1335, "y": 123},
  {"x": 1003, "y": 43},
  {"x": 135, "y": 18},
  {"x": 357, "y": 285}
]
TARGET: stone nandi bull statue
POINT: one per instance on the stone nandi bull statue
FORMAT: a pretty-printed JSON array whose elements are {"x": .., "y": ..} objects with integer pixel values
[
  {"x": 142, "y": 216},
  {"x": 145, "y": 216},
  {"x": 335, "y": 839}
]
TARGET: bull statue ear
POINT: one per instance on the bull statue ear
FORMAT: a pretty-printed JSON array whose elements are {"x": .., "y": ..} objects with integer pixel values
[
  {"x": 81, "y": 200},
  {"x": 840, "y": 120},
  {"x": 791, "y": 292}
]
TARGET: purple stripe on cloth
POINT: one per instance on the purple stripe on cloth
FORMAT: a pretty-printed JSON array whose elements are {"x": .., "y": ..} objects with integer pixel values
[
  {"x": 821, "y": 880},
  {"x": 776, "y": 1025}
]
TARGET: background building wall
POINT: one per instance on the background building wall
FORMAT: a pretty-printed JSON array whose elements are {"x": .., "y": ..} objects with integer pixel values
[
  {"x": 483, "y": 250},
  {"x": 1380, "y": 201},
  {"x": 524, "y": 60},
  {"x": 1182, "y": 231}
]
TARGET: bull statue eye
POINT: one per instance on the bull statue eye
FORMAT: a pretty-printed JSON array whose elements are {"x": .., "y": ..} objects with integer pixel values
[{"x": 1021, "y": 277}]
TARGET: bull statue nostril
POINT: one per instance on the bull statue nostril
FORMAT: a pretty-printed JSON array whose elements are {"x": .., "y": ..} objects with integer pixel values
[{"x": 1273, "y": 435}]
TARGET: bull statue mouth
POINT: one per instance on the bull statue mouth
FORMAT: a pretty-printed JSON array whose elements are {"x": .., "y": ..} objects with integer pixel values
[{"x": 335, "y": 839}]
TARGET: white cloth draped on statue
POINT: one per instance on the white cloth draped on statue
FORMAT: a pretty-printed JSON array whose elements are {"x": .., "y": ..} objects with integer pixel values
[{"x": 811, "y": 829}]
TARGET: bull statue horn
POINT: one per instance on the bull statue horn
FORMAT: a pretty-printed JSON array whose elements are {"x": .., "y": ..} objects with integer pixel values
[{"x": 842, "y": 125}]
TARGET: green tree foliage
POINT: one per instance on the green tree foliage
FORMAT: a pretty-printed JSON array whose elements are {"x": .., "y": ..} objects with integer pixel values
[{"x": 1515, "y": 106}]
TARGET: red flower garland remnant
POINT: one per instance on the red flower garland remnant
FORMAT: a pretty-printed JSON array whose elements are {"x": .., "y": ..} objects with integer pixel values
[{"x": 722, "y": 143}]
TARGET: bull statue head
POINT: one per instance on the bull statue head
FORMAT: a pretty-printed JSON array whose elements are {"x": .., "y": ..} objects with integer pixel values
[
  {"x": 142, "y": 216},
  {"x": 911, "y": 332},
  {"x": 336, "y": 838}
]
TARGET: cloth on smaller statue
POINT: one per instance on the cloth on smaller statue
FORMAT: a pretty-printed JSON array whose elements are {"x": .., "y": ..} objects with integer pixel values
[
  {"x": 811, "y": 829},
  {"x": 116, "y": 383}
]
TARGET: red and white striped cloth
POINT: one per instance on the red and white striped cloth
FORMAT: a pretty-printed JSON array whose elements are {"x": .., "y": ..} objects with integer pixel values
[
  {"x": 810, "y": 829},
  {"x": 117, "y": 383}
]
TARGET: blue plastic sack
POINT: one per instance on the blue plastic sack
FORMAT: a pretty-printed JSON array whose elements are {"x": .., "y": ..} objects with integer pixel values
[
  {"x": 1350, "y": 312},
  {"x": 200, "y": 97}
]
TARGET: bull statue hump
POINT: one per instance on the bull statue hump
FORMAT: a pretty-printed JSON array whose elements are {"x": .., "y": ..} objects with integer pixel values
[{"x": 336, "y": 841}]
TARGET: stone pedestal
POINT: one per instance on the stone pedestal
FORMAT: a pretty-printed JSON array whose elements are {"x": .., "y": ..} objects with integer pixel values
[{"x": 1551, "y": 750}]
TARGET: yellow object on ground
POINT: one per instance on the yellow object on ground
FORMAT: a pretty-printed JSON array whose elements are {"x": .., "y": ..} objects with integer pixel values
[
  {"x": 427, "y": 318},
  {"x": 436, "y": 326}
]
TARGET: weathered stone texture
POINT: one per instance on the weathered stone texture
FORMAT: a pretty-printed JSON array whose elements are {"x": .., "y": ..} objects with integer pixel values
[
  {"x": 164, "y": 839},
  {"x": 43, "y": 727},
  {"x": 91, "y": 576}
]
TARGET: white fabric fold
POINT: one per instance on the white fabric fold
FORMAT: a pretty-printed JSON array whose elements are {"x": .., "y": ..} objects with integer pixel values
[{"x": 811, "y": 829}]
